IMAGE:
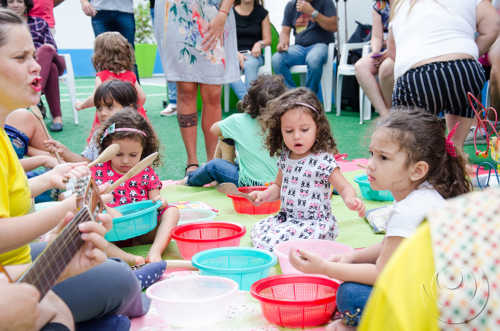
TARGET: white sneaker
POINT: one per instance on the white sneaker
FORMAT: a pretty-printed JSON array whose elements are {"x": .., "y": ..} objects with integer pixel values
[{"x": 171, "y": 110}]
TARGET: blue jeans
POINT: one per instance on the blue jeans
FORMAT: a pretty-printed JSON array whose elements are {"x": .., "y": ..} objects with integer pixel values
[
  {"x": 172, "y": 92},
  {"x": 113, "y": 20},
  {"x": 313, "y": 56},
  {"x": 351, "y": 300},
  {"x": 251, "y": 70},
  {"x": 219, "y": 170}
]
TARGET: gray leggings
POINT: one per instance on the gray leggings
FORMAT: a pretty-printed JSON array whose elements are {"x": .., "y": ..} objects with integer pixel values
[{"x": 109, "y": 288}]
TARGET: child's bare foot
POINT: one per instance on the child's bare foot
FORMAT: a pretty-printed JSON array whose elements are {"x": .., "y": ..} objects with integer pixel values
[
  {"x": 339, "y": 326},
  {"x": 133, "y": 260},
  {"x": 211, "y": 184}
]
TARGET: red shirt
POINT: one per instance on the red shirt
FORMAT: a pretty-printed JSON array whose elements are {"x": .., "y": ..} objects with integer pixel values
[{"x": 45, "y": 10}]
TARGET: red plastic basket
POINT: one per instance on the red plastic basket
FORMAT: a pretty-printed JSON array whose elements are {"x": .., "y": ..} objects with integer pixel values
[
  {"x": 296, "y": 301},
  {"x": 196, "y": 237},
  {"x": 243, "y": 206}
]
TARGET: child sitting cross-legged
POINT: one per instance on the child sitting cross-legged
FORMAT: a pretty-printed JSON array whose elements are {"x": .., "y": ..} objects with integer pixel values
[
  {"x": 137, "y": 140},
  {"x": 298, "y": 131},
  {"x": 412, "y": 158},
  {"x": 253, "y": 165}
]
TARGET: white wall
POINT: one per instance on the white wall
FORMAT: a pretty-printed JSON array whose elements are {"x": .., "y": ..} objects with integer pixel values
[{"x": 74, "y": 30}]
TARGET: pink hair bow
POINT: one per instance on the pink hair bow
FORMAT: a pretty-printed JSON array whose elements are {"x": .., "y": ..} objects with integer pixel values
[{"x": 450, "y": 146}]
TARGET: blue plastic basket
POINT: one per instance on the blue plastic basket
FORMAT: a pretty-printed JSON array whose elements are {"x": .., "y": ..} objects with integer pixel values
[
  {"x": 368, "y": 193},
  {"x": 138, "y": 218},
  {"x": 241, "y": 264}
]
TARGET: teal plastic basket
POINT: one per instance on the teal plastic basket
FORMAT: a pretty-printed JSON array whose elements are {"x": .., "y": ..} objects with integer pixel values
[
  {"x": 241, "y": 264},
  {"x": 138, "y": 218},
  {"x": 368, "y": 193}
]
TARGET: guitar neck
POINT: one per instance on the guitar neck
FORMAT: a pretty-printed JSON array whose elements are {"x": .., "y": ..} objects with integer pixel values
[{"x": 49, "y": 265}]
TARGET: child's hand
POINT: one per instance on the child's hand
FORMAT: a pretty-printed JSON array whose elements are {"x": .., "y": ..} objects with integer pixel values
[
  {"x": 49, "y": 161},
  {"x": 342, "y": 258},
  {"x": 54, "y": 146},
  {"x": 164, "y": 202},
  {"x": 258, "y": 197},
  {"x": 79, "y": 105},
  {"x": 105, "y": 197},
  {"x": 356, "y": 204},
  {"x": 306, "y": 262}
]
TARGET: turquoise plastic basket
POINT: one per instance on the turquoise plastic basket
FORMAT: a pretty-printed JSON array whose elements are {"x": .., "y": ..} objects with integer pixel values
[
  {"x": 241, "y": 264},
  {"x": 138, "y": 218},
  {"x": 368, "y": 193}
]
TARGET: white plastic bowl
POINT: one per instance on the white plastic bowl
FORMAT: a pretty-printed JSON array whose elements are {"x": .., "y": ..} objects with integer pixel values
[
  {"x": 193, "y": 300},
  {"x": 323, "y": 248}
]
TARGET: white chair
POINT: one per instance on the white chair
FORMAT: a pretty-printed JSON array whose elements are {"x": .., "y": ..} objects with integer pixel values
[
  {"x": 365, "y": 105},
  {"x": 326, "y": 77},
  {"x": 69, "y": 78},
  {"x": 345, "y": 69},
  {"x": 266, "y": 68}
]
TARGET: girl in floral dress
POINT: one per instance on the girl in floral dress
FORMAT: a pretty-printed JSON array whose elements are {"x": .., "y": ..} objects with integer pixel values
[{"x": 297, "y": 130}]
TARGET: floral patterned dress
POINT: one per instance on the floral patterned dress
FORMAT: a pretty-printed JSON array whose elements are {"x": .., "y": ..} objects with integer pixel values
[
  {"x": 180, "y": 29},
  {"x": 305, "y": 203}
]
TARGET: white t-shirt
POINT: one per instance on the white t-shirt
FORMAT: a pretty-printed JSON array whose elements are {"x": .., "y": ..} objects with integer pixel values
[
  {"x": 408, "y": 213},
  {"x": 433, "y": 28},
  {"x": 126, "y": 6}
]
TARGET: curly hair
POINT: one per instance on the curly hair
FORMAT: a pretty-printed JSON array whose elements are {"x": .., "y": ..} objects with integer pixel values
[
  {"x": 276, "y": 108},
  {"x": 129, "y": 118},
  {"x": 112, "y": 52},
  {"x": 122, "y": 92},
  {"x": 421, "y": 135},
  {"x": 263, "y": 89}
]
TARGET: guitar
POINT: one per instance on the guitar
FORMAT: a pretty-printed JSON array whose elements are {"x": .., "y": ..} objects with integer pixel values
[{"x": 48, "y": 266}]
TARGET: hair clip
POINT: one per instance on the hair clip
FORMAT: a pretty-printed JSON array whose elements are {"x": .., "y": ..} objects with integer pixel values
[
  {"x": 112, "y": 129},
  {"x": 450, "y": 146}
]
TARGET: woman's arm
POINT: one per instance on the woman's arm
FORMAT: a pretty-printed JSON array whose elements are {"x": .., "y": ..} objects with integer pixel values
[
  {"x": 33, "y": 162},
  {"x": 284, "y": 41},
  {"x": 89, "y": 102},
  {"x": 488, "y": 26},
  {"x": 266, "y": 37},
  {"x": 346, "y": 191},
  {"x": 21, "y": 230},
  {"x": 377, "y": 40},
  {"x": 391, "y": 46}
]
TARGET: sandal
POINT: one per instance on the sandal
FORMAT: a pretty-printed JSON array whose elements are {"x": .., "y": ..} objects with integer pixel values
[{"x": 191, "y": 165}]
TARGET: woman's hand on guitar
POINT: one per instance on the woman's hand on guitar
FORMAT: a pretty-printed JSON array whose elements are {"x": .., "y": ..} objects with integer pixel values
[{"x": 92, "y": 252}]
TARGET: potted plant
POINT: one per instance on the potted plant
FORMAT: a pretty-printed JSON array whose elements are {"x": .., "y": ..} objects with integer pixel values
[{"x": 145, "y": 48}]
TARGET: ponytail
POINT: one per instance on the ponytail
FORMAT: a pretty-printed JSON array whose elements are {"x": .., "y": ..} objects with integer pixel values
[{"x": 450, "y": 177}]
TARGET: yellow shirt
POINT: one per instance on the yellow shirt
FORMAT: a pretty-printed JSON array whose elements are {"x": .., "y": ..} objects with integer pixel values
[
  {"x": 404, "y": 296},
  {"x": 15, "y": 196}
]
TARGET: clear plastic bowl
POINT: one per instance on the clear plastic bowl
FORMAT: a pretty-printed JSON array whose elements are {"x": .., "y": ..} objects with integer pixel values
[{"x": 192, "y": 300}]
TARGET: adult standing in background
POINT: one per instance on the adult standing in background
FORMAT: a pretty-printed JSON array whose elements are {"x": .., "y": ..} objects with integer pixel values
[
  {"x": 45, "y": 9},
  {"x": 199, "y": 39},
  {"x": 435, "y": 48},
  {"x": 171, "y": 108},
  {"x": 112, "y": 15},
  {"x": 253, "y": 30},
  {"x": 313, "y": 23}
]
